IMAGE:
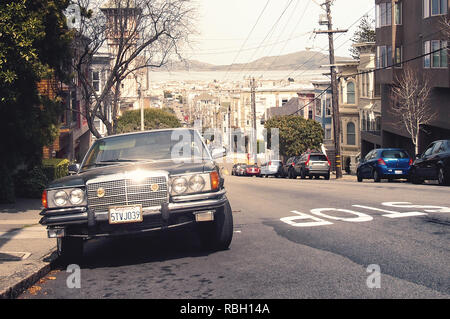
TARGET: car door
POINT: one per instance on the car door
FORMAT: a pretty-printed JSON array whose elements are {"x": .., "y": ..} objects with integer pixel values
[
  {"x": 422, "y": 164},
  {"x": 287, "y": 166},
  {"x": 434, "y": 159},
  {"x": 263, "y": 170},
  {"x": 297, "y": 164},
  {"x": 364, "y": 168}
]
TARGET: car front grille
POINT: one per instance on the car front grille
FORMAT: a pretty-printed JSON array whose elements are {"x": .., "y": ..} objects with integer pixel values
[{"x": 127, "y": 192}]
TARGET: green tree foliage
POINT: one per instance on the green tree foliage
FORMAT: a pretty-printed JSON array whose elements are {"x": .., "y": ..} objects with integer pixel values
[
  {"x": 130, "y": 121},
  {"x": 364, "y": 33},
  {"x": 34, "y": 45},
  {"x": 296, "y": 134}
]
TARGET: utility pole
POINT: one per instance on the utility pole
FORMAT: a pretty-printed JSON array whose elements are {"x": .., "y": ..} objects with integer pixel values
[
  {"x": 254, "y": 140},
  {"x": 334, "y": 88}
]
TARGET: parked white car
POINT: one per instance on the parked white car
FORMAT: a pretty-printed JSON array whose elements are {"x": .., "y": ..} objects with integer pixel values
[{"x": 272, "y": 167}]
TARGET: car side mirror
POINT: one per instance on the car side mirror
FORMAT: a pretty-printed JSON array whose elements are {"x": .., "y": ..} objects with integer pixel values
[
  {"x": 218, "y": 153},
  {"x": 73, "y": 169}
]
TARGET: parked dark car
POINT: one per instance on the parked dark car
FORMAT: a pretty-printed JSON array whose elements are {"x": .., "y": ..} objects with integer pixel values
[
  {"x": 241, "y": 170},
  {"x": 132, "y": 184},
  {"x": 287, "y": 169},
  {"x": 384, "y": 163},
  {"x": 252, "y": 170},
  {"x": 313, "y": 164},
  {"x": 236, "y": 168},
  {"x": 433, "y": 164}
]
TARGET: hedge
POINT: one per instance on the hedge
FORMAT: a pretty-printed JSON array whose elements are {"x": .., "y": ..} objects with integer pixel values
[
  {"x": 55, "y": 168},
  {"x": 31, "y": 183}
]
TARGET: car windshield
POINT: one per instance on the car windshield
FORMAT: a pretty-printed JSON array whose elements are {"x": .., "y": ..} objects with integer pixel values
[
  {"x": 147, "y": 146},
  {"x": 394, "y": 154}
]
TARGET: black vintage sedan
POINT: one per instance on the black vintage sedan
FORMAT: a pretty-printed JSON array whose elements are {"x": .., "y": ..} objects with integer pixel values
[
  {"x": 137, "y": 183},
  {"x": 433, "y": 164}
]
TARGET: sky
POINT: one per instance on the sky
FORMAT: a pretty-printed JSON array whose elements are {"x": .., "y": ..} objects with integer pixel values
[{"x": 225, "y": 33}]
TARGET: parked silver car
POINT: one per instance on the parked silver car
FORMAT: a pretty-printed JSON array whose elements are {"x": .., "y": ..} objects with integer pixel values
[{"x": 272, "y": 167}]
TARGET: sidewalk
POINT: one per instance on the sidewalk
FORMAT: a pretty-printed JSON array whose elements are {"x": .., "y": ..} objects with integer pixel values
[{"x": 25, "y": 250}]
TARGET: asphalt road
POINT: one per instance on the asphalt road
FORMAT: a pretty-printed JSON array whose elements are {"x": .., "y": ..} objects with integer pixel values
[{"x": 285, "y": 245}]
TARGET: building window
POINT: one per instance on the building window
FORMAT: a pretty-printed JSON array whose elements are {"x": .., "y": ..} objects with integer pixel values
[
  {"x": 398, "y": 13},
  {"x": 328, "y": 133},
  {"x": 351, "y": 135},
  {"x": 350, "y": 93},
  {"x": 383, "y": 15},
  {"x": 96, "y": 81},
  {"x": 318, "y": 108},
  {"x": 436, "y": 54},
  {"x": 328, "y": 107},
  {"x": 398, "y": 57},
  {"x": 434, "y": 7}
]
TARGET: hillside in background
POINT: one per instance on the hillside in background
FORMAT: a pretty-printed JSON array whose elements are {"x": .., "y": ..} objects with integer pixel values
[{"x": 309, "y": 60}]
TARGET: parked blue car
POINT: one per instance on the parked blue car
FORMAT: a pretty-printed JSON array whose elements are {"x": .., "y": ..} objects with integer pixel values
[{"x": 384, "y": 163}]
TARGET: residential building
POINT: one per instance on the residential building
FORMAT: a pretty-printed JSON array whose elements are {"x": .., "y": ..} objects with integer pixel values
[
  {"x": 406, "y": 30},
  {"x": 369, "y": 106},
  {"x": 349, "y": 113}
]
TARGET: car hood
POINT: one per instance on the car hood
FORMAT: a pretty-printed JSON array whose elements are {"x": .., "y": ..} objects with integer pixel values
[{"x": 172, "y": 167}]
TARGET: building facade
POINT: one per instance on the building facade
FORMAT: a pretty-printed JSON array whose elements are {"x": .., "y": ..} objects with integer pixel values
[{"x": 406, "y": 33}]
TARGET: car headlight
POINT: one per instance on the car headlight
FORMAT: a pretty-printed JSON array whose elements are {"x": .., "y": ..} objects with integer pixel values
[
  {"x": 196, "y": 183},
  {"x": 179, "y": 185},
  {"x": 66, "y": 197},
  {"x": 60, "y": 198},
  {"x": 190, "y": 184},
  {"x": 76, "y": 196}
]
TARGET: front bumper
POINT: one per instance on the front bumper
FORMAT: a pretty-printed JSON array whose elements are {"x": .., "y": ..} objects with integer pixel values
[{"x": 180, "y": 211}]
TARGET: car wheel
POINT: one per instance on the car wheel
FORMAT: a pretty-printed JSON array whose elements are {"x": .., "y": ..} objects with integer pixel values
[
  {"x": 414, "y": 179},
  {"x": 217, "y": 235},
  {"x": 358, "y": 177},
  {"x": 442, "y": 180},
  {"x": 69, "y": 249},
  {"x": 376, "y": 176}
]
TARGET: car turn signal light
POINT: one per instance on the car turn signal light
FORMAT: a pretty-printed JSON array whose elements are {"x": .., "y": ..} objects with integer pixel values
[
  {"x": 214, "y": 180},
  {"x": 44, "y": 199}
]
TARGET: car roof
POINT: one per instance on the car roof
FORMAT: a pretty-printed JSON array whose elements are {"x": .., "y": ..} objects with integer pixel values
[{"x": 148, "y": 131}]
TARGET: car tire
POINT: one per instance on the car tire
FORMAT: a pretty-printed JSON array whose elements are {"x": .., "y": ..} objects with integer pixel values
[
  {"x": 217, "y": 235},
  {"x": 70, "y": 249},
  {"x": 442, "y": 178},
  {"x": 376, "y": 176},
  {"x": 302, "y": 174},
  {"x": 358, "y": 177}
]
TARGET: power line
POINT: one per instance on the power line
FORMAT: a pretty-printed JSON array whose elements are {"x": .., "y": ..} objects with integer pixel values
[
  {"x": 248, "y": 36},
  {"x": 282, "y": 32},
  {"x": 270, "y": 31},
  {"x": 290, "y": 37},
  {"x": 371, "y": 71},
  {"x": 294, "y": 71}
]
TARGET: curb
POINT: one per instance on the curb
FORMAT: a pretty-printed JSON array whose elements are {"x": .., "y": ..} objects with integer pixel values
[{"x": 42, "y": 269}]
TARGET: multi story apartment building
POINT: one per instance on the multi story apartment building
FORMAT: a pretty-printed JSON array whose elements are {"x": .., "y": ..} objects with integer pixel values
[{"x": 405, "y": 31}]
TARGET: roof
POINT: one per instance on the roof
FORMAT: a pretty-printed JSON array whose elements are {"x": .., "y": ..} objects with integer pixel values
[{"x": 148, "y": 131}]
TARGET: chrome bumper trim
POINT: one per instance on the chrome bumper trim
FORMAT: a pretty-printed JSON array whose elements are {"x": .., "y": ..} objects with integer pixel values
[{"x": 180, "y": 207}]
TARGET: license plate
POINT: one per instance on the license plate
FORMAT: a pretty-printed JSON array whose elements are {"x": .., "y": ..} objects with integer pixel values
[
  {"x": 125, "y": 214},
  {"x": 398, "y": 172}
]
